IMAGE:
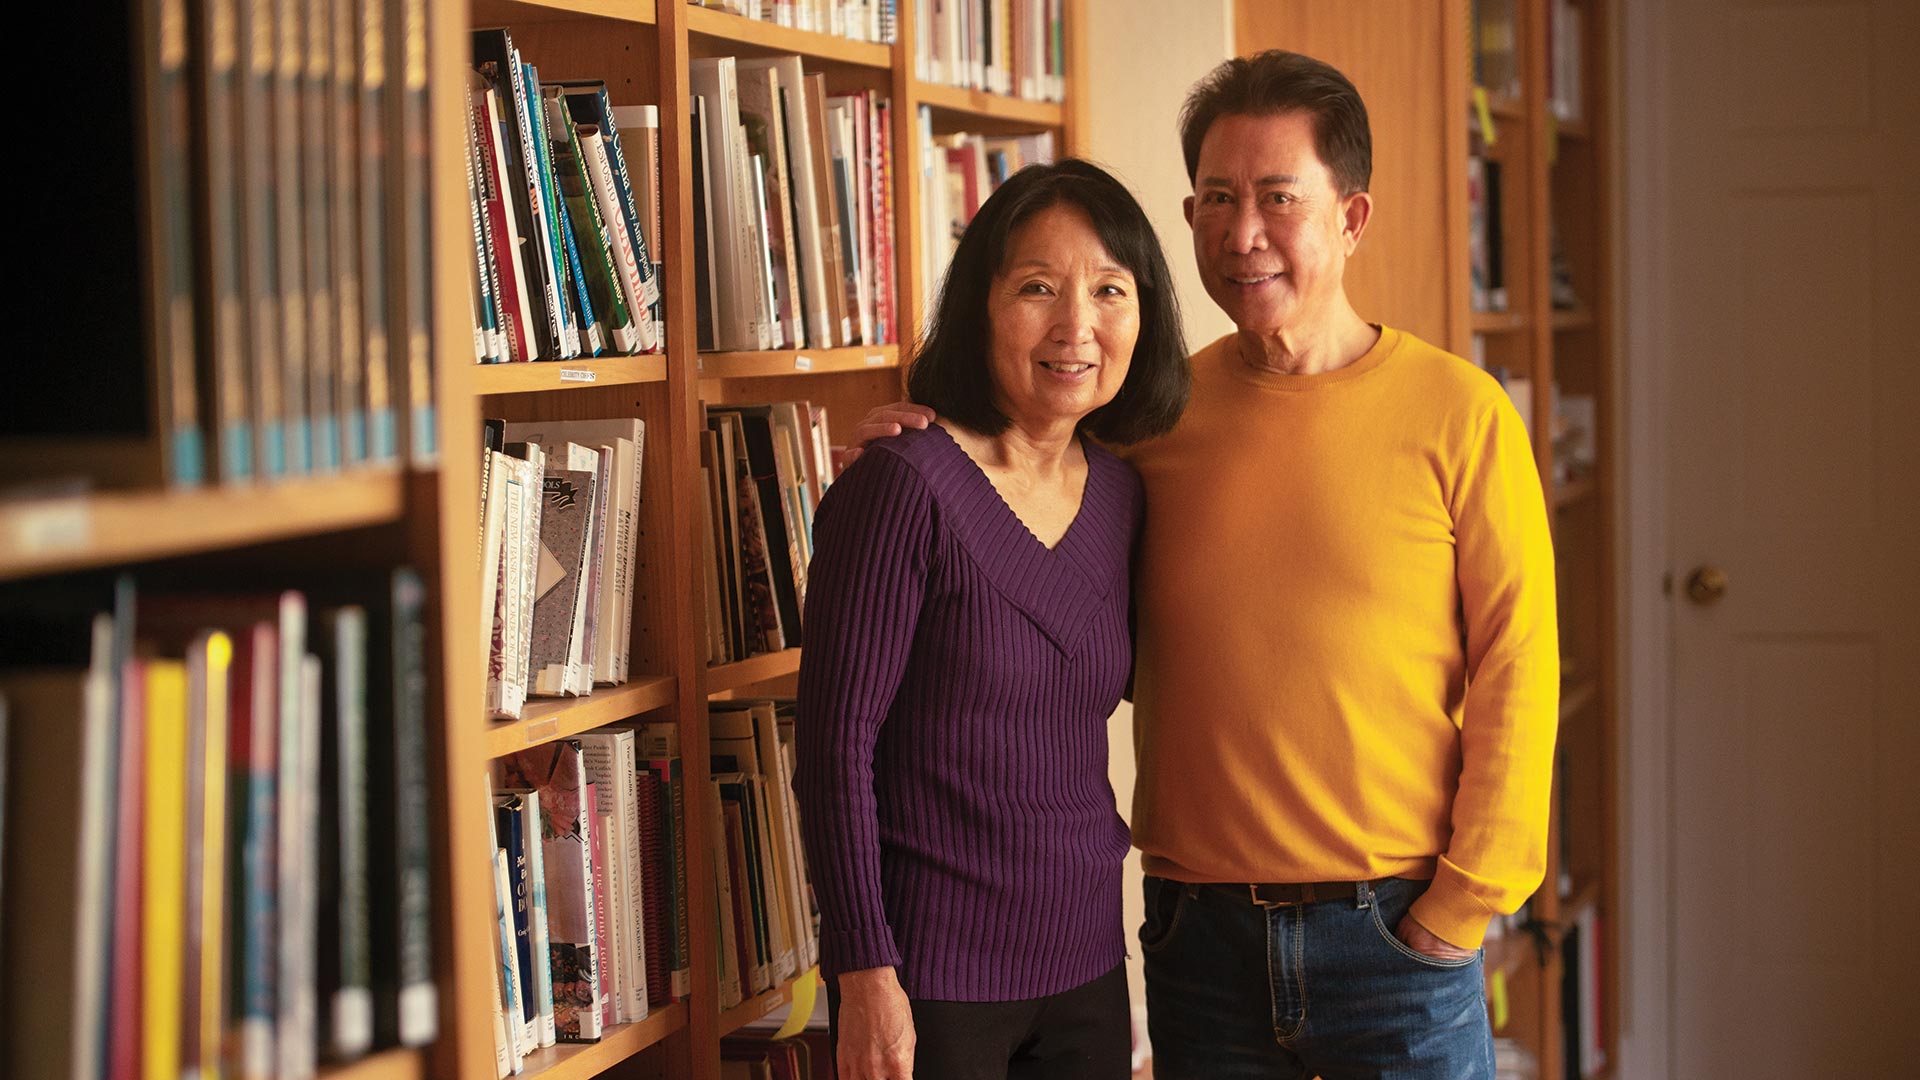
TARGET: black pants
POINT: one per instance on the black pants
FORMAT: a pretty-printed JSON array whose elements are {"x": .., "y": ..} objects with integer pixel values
[{"x": 1078, "y": 1034}]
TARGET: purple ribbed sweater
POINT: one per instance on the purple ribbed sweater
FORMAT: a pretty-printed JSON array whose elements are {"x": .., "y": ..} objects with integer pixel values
[{"x": 952, "y": 743}]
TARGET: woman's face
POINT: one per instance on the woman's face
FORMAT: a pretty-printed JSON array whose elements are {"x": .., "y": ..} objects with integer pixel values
[{"x": 1063, "y": 316}]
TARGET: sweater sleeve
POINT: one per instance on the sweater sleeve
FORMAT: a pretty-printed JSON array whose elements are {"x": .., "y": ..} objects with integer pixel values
[
  {"x": 1504, "y": 559},
  {"x": 872, "y": 536}
]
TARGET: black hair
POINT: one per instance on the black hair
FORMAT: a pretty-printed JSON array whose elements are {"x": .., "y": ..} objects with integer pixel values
[
  {"x": 950, "y": 368},
  {"x": 1277, "y": 81}
]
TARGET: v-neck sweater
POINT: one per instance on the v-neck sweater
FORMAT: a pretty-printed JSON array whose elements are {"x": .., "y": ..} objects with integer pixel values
[{"x": 952, "y": 729}]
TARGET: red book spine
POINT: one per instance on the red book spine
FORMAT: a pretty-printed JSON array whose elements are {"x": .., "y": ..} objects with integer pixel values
[
  {"x": 653, "y": 888},
  {"x": 123, "y": 1027},
  {"x": 602, "y": 936}
]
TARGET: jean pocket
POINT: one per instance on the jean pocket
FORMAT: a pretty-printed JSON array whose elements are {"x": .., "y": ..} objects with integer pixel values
[
  {"x": 1392, "y": 939},
  {"x": 1166, "y": 902}
]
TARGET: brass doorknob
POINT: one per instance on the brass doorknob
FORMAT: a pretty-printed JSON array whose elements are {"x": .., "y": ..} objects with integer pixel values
[{"x": 1706, "y": 584}]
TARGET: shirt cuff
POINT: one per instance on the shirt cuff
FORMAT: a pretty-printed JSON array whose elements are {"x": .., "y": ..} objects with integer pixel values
[
  {"x": 842, "y": 951},
  {"x": 1451, "y": 913}
]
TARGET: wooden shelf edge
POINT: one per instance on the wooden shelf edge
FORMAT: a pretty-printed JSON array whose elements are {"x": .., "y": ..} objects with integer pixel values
[
  {"x": 740, "y": 30},
  {"x": 999, "y": 107},
  {"x": 577, "y": 374},
  {"x": 1573, "y": 492},
  {"x": 724, "y": 677},
  {"x": 1498, "y": 322},
  {"x": 81, "y": 532},
  {"x": 1576, "y": 698},
  {"x": 559, "y": 718},
  {"x": 577, "y": 1061},
  {"x": 759, "y": 1005},
  {"x": 1579, "y": 318},
  {"x": 747, "y": 365},
  {"x": 643, "y": 12},
  {"x": 399, "y": 1064}
]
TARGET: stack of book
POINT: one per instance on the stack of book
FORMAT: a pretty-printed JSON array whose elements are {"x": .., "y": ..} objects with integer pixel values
[
  {"x": 565, "y": 215},
  {"x": 957, "y": 173},
  {"x": 559, "y": 500},
  {"x": 221, "y": 804},
  {"x": 793, "y": 209},
  {"x": 861, "y": 20},
  {"x": 249, "y": 258},
  {"x": 769, "y": 925},
  {"x": 1013, "y": 47},
  {"x": 590, "y": 887},
  {"x": 764, "y": 469}
]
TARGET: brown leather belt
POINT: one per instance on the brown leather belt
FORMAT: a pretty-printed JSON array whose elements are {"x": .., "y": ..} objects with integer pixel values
[{"x": 1288, "y": 894}]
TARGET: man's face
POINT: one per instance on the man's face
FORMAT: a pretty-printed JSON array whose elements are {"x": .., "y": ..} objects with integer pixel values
[{"x": 1270, "y": 231}]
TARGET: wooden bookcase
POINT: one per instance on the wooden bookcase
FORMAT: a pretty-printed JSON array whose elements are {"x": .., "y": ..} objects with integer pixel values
[
  {"x": 641, "y": 50},
  {"x": 1411, "y": 61},
  {"x": 430, "y": 518}
]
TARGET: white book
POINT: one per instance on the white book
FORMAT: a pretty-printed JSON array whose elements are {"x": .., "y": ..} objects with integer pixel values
[
  {"x": 613, "y": 211},
  {"x": 712, "y": 81},
  {"x": 584, "y": 459},
  {"x": 605, "y": 839},
  {"x": 843, "y": 146},
  {"x": 732, "y": 980},
  {"x": 493, "y": 532},
  {"x": 533, "y": 471},
  {"x": 628, "y": 437},
  {"x": 611, "y": 765},
  {"x": 789, "y": 83},
  {"x": 537, "y": 915},
  {"x": 298, "y": 848},
  {"x": 748, "y": 245},
  {"x": 517, "y": 1029}
]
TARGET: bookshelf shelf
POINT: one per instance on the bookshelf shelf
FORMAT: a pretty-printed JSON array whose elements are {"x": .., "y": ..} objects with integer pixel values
[
  {"x": 722, "y": 678},
  {"x": 1573, "y": 492},
  {"x": 577, "y": 1061},
  {"x": 736, "y": 31},
  {"x": 567, "y": 374},
  {"x": 742, "y": 365},
  {"x": 528, "y": 12},
  {"x": 386, "y": 1065},
  {"x": 977, "y": 105},
  {"x": 558, "y": 719},
  {"x": 1507, "y": 108},
  {"x": 1566, "y": 319},
  {"x": 1509, "y": 954},
  {"x": 80, "y": 532},
  {"x": 1576, "y": 699},
  {"x": 1500, "y": 322},
  {"x": 758, "y": 1006}
]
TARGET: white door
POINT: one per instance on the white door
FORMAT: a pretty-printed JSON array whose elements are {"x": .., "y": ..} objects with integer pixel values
[{"x": 1793, "y": 366}]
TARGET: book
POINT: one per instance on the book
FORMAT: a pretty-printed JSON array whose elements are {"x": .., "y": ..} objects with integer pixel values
[
  {"x": 658, "y": 746},
  {"x": 557, "y": 772},
  {"x": 346, "y": 977},
  {"x": 611, "y": 763},
  {"x": 567, "y": 496}
]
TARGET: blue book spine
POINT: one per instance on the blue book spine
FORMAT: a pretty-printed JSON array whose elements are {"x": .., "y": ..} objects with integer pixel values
[
  {"x": 551, "y": 304},
  {"x": 550, "y": 192},
  {"x": 629, "y": 206},
  {"x": 506, "y": 818}
]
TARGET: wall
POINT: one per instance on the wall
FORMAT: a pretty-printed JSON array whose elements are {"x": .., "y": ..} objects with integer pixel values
[{"x": 1132, "y": 130}]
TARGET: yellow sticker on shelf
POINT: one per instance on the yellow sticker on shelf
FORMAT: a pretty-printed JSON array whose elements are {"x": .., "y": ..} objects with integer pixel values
[
  {"x": 1483, "y": 108},
  {"x": 805, "y": 988},
  {"x": 1497, "y": 999}
]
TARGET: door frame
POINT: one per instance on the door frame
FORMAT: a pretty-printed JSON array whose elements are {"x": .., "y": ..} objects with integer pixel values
[{"x": 1644, "y": 733}]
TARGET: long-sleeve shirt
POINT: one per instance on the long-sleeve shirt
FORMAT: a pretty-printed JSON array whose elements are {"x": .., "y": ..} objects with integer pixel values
[
  {"x": 952, "y": 750},
  {"x": 1348, "y": 663}
]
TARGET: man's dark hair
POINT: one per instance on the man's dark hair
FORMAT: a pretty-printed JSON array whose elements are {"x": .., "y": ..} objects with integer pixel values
[
  {"x": 950, "y": 371},
  {"x": 1277, "y": 81}
]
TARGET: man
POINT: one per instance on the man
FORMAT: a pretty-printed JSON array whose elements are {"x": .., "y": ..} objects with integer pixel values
[{"x": 1347, "y": 662}]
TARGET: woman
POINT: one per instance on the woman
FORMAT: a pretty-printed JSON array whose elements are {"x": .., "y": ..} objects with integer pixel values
[{"x": 967, "y": 638}]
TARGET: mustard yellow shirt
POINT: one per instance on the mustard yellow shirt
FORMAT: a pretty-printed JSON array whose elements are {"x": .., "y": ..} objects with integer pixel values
[{"x": 1348, "y": 664}]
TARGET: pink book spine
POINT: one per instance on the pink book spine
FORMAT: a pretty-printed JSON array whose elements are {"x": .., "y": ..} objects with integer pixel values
[{"x": 602, "y": 940}]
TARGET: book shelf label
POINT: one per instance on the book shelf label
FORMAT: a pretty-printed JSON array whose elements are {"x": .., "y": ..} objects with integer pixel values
[
  {"x": 875, "y": 359},
  {"x": 579, "y": 375},
  {"x": 541, "y": 730},
  {"x": 803, "y": 362},
  {"x": 58, "y": 525}
]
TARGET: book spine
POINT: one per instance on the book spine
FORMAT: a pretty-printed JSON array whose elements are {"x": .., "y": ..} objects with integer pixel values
[
  {"x": 383, "y": 441},
  {"x": 605, "y": 983},
  {"x": 351, "y": 1009},
  {"x": 419, "y": 1011},
  {"x": 289, "y": 56},
  {"x": 509, "y": 958},
  {"x": 316, "y": 174},
  {"x": 539, "y": 226},
  {"x": 222, "y": 326},
  {"x": 542, "y": 944},
  {"x": 343, "y": 166},
  {"x": 644, "y": 254},
  {"x": 416, "y": 236},
  {"x": 632, "y": 865},
  {"x": 163, "y": 869}
]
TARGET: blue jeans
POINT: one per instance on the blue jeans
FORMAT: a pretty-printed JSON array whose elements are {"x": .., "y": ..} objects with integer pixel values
[{"x": 1324, "y": 989}]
